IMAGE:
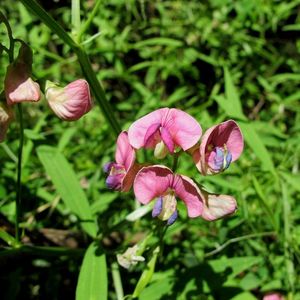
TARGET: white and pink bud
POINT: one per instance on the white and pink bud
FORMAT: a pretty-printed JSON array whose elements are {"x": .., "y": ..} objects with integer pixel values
[{"x": 71, "y": 102}]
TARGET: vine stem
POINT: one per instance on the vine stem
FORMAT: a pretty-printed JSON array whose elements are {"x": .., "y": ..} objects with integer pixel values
[{"x": 19, "y": 172}]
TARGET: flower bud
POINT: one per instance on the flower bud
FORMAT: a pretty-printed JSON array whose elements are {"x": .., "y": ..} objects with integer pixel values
[
  {"x": 71, "y": 102},
  {"x": 18, "y": 85},
  {"x": 6, "y": 116}
]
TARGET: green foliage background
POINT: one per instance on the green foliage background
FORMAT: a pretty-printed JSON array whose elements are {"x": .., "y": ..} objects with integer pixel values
[{"x": 214, "y": 59}]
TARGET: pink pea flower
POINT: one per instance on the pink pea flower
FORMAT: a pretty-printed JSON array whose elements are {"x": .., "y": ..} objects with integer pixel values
[
  {"x": 121, "y": 173},
  {"x": 273, "y": 296},
  {"x": 220, "y": 145},
  {"x": 160, "y": 183},
  {"x": 163, "y": 130},
  {"x": 71, "y": 102}
]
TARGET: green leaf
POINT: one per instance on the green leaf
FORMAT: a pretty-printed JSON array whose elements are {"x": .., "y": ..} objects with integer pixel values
[
  {"x": 161, "y": 41},
  {"x": 158, "y": 289},
  {"x": 138, "y": 213},
  {"x": 231, "y": 104},
  {"x": 67, "y": 185},
  {"x": 146, "y": 275},
  {"x": 92, "y": 281},
  {"x": 254, "y": 141},
  {"x": 236, "y": 264},
  {"x": 244, "y": 296},
  {"x": 10, "y": 240}
]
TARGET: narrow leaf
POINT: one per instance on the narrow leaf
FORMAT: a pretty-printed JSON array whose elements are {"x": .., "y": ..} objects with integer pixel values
[
  {"x": 146, "y": 275},
  {"x": 255, "y": 143},
  {"x": 231, "y": 104},
  {"x": 67, "y": 185},
  {"x": 92, "y": 281},
  {"x": 10, "y": 240}
]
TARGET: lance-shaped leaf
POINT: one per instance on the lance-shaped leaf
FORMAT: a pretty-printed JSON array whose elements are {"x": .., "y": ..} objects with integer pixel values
[
  {"x": 68, "y": 187},
  {"x": 92, "y": 281}
]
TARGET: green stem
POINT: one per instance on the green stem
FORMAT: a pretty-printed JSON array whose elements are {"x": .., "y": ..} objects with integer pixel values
[
  {"x": 85, "y": 64},
  {"x": 88, "y": 22},
  {"x": 19, "y": 173},
  {"x": 117, "y": 281},
  {"x": 175, "y": 161},
  {"x": 239, "y": 239},
  {"x": 10, "y": 36},
  {"x": 75, "y": 16}
]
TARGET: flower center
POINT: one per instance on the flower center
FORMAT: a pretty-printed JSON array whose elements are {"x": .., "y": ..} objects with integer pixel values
[
  {"x": 160, "y": 138},
  {"x": 116, "y": 174},
  {"x": 165, "y": 208},
  {"x": 219, "y": 158}
]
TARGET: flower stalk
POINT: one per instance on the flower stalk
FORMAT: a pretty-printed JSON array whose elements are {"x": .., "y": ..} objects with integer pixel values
[{"x": 19, "y": 172}]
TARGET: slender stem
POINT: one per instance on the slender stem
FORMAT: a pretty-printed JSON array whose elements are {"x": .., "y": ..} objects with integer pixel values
[
  {"x": 117, "y": 281},
  {"x": 75, "y": 16},
  {"x": 86, "y": 67},
  {"x": 88, "y": 22},
  {"x": 34, "y": 7},
  {"x": 97, "y": 89},
  {"x": 19, "y": 173},
  {"x": 10, "y": 36},
  {"x": 175, "y": 162},
  {"x": 238, "y": 239}
]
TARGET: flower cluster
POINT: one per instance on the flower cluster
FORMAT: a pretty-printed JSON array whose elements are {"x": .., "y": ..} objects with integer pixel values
[
  {"x": 69, "y": 103},
  {"x": 171, "y": 132}
]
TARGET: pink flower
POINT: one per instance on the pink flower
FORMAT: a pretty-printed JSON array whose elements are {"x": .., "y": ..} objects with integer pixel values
[
  {"x": 164, "y": 129},
  {"x": 273, "y": 296},
  {"x": 6, "y": 116},
  {"x": 122, "y": 172},
  {"x": 18, "y": 85},
  {"x": 71, "y": 102},
  {"x": 220, "y": 145},
  {"x": 161, "y": 183}
]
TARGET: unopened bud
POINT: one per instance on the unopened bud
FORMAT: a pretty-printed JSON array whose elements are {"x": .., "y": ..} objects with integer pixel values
[{"x": 71, "y": 102}]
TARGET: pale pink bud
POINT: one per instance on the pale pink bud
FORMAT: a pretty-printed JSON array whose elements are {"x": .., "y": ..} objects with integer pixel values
[
  {"x": 18, "y": 85},
  {"x": 6, "y": 116},
  {"x": 71, "y": 102}
]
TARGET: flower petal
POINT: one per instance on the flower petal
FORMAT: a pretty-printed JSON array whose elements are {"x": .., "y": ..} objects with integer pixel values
[
  {"x": 184, "y": 129},
  {"x": 137, "y": 131},
  {"x": 71, "y": 102},
  {"x": 157, "y": 208},
  {"x": 152, "y": 182},
  {"x": 167, "y": 139},
  {"x": 217, "y": 206},
  {"x": 187, "y": 190},
  {"x": 129, "y": 177},
  {"x": 151, "y": 135},
  {"x": 227, "y": 133},
  {"x": 125, "y": 154}
]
